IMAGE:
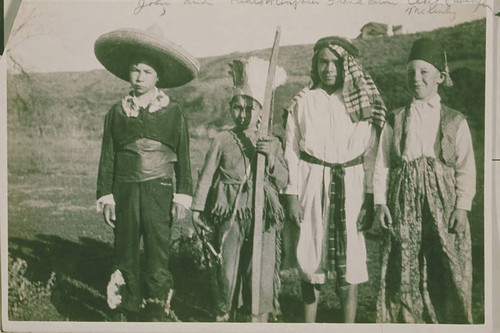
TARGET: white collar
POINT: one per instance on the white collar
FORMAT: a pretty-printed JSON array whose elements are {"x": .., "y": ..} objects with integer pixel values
[
  {"x": 337, "y": 94},
  {"x": 131, "y": 105},
  {"x": 434, "y": 102}
]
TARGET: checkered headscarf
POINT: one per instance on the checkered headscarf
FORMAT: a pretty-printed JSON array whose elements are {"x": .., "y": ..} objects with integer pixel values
[{"x": 361, "y": 96}]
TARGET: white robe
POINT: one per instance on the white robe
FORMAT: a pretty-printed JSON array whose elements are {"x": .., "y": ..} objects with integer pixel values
[{"x": 320, "y": 126}]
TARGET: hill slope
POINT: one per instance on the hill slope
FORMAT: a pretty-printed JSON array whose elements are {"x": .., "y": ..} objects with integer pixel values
[{"x": 62, "y": 103}]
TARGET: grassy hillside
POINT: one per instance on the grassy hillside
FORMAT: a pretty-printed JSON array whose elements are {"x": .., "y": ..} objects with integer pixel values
[
  {"x": 62, "y": 103},
  {"x": 55, "y": 124}
]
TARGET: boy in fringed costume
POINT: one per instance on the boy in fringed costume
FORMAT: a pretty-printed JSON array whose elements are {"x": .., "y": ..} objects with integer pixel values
[
  {"x": 424, "y": 184},
  {"x": 331, "y": 140},
  {"x": 224, "y": 196}
]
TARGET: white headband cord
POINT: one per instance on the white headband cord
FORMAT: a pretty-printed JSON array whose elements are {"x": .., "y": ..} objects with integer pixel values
[{"x": 447, "y": 81}]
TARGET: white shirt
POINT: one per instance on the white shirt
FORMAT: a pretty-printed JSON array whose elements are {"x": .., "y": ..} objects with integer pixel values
[
  {"x": 423, "y": 129},
  {"x": 322, "y": 128}
]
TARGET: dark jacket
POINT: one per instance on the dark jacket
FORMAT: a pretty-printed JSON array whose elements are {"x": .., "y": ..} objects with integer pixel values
[{"x": 167, "y": 126}]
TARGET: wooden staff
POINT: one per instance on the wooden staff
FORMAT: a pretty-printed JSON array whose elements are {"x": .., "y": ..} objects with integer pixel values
[{"x": 259, "y": 184}]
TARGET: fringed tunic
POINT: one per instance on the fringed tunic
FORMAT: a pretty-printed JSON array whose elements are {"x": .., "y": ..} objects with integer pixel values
[{"x": 226, "y": 184}]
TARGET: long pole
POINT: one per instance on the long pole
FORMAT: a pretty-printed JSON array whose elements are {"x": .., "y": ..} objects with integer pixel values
[{"x": 259, "y": 184}]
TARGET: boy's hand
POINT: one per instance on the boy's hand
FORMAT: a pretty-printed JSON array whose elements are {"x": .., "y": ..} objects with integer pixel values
[
  {"x": 365, "y": 217},
  {"x": 197, "y": 220},
  {"x": 383, "y": 216},
  {"x": 293, "y": 211},
  {"x": 263, "y": 146},
  {"x": 268, "y": 147},
  {"x": 109, "y": 214},
  {"x": 178, "y": 211},
  {"x": 458, "y": 221}
]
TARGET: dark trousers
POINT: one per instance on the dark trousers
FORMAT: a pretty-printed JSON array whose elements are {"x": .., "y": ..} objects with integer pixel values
[{"x": 143, "y": 209}]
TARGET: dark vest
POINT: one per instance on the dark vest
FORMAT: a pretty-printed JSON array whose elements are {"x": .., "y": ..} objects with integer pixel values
[{"x": 444, "y": 147}]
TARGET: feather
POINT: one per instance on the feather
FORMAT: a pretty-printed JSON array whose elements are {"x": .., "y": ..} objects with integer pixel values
[
  {"x": 238, "y": 72},
  {"x": 249, "y": 77},
  {"x": 258, "y": 68}
]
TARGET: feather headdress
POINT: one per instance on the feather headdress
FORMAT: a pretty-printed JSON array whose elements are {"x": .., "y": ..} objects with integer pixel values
[{"x": 250, "y": 75}]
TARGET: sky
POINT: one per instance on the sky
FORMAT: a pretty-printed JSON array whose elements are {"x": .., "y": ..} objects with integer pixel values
[{"x": 59, "y": 35}]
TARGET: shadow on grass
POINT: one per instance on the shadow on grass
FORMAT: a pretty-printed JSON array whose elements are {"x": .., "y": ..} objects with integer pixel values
[
  {"x": 478, "y": 284},
  {"x": 193, "y": 298},
  {"x": 82, "y": 270},
  {"x": 83, "y": 267}
]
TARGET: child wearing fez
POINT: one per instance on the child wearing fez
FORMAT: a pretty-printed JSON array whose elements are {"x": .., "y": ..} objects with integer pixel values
[
  {"x": 424, "y": 182},
  {"x": 224, "y": 196}
]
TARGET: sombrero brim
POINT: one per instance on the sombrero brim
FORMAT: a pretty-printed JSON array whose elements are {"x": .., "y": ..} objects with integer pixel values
[{"x": 117, "y": 50}]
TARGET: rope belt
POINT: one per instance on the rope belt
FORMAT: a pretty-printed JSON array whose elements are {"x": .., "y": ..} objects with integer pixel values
[{"x": 337, "y": 234}]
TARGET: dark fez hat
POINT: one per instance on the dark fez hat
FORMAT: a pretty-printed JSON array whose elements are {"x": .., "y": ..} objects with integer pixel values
[{"x": 431, "y": 51}]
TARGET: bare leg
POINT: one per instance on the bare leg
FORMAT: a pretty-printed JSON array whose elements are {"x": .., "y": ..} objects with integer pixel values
[
  {"x": 349, "y": 299},
  {"x": 310, "y": 295},
  {"x": 311, "y": 309}
]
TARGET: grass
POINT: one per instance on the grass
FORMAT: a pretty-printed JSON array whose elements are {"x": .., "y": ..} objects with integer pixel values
[{"x": 54, "y": 228}]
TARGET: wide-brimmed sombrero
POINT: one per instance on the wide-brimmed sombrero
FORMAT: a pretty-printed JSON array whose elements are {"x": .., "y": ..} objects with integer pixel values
[{"x": 117, "y": 50}]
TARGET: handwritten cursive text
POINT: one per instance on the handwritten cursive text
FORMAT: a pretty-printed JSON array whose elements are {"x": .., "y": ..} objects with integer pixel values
[
  {"x": 344, "y": 2},
  {"x": 291, "y": 3},
  {"x": 430, "y": 7},
  {"x": 382, "y": 2},
  {"x": 478, "y": 3},
  {"x": 248, "y": 2},
  {"x": 141, "y": 4},
  {"x": 198, "y": 2}
]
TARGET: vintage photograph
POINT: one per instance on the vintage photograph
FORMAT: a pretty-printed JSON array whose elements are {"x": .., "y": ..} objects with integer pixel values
[{"x": 246, "y": 161}]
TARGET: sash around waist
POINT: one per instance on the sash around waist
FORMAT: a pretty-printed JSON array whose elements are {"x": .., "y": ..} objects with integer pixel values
[
  {"x": 314, "y": 160},
  {"x": 144, "y": 160}
]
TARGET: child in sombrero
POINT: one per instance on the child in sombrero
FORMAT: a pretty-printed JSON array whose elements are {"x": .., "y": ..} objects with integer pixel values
[
  {"x": 224, "y": 197},
  {"x": 144, "y": 156},
  {"x": 424, "y": 182}
]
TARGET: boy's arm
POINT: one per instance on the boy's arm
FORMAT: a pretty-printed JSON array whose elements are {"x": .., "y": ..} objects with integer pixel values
[
  {"x": 465, "y": 169},
  {"x": 291, "y": 153},
  {"x": 212, "y": 160},
  {"x": 382, "y": 164},
  {"x": 279, "y": 169},
  {"x": 105, "y": 174},
  {"x": 369, "y": 158}
]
